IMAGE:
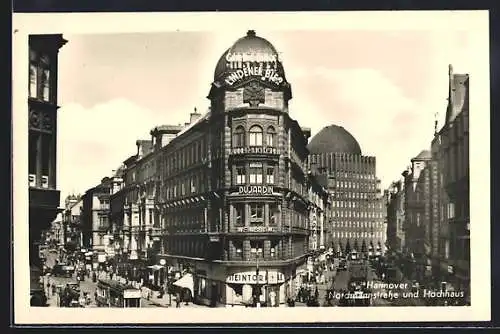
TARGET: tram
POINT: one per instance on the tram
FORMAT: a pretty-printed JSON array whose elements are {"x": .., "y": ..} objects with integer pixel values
[{"x": 115, "y": 294}]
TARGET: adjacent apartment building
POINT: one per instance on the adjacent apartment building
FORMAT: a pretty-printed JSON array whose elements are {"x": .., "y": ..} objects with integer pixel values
[
  {"x": 451, "y": 152},
  {"x": 437, "y": 200}
]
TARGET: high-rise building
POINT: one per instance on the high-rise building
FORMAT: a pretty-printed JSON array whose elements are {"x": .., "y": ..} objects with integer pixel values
[
  {"x": 358, "y": 209},
  {"x": 44, "y": 198}
]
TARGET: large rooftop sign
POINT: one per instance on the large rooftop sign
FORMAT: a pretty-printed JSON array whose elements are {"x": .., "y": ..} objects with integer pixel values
[{"x": 263, "y": 66}]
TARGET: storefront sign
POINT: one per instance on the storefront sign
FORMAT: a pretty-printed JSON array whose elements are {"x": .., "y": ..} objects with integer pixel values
[
  {"x": 131, "y": 293},
  {"x": 255, "y": 190},
  {"x": 263, "y": 72},
  {"x": 251, "y": 57},
  {"x": 273, "y": 277},
  {"x": 256, "y": 229},
  {"x": 255, "y": 149},
  {"x": 101, "y": 258}
]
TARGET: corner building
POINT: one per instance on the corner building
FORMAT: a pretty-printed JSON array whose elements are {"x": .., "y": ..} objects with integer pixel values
[{"x": 234, "y": 195}]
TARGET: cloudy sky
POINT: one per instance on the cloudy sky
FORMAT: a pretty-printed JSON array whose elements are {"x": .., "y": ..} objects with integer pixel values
[{"x": 385, "y": 87}]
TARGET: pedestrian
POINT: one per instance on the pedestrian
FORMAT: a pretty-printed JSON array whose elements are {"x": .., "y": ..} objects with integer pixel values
[
  {"x": 177, "y": 300},
  {"x": 316, "y": 293},
  {"x": 272, "y": 296},
  {"x": 48, "y": 289},
  {"x": 54, "y": 289}
]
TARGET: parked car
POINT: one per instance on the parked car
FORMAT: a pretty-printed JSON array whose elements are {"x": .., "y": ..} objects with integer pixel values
[{"x": 63, "y": 270}]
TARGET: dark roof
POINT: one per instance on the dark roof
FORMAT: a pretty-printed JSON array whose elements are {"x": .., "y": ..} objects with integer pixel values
[
  {"x": 168, "y": 128},
  {"x": 458, "y": 96},
  {"x": 424, "y": 155},
  {"x": 334, "y": 139},
  {"x": 248, "y": 44}
]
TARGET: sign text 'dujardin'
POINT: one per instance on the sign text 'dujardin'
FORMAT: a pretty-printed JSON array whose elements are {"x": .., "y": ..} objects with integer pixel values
[{"x": 255, "y": 190}]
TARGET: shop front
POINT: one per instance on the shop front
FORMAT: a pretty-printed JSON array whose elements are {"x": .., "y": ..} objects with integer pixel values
[{"x": 246, "y": 288}]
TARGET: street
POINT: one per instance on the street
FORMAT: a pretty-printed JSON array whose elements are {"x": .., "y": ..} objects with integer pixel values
[
  {"x": 335, "y": 279},
  {"x": 90, "y": 287}
]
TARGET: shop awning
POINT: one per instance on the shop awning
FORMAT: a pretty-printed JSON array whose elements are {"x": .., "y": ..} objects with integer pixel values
[{"x": 186, "y": 282}]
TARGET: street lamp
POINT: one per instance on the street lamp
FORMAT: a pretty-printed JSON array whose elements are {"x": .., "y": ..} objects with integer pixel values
[
  {"x": 163, "y": 263},
  {"x": 257, "y": 252}
]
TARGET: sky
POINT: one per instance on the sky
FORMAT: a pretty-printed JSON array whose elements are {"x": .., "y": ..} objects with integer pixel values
[{"x": 384, "y": 87}]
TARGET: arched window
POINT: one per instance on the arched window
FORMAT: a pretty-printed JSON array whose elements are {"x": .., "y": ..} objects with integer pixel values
[
  {"x": 255, "y": 136},
  {"x": 239, "y": 137},
  {"x": 270, "y": 136}
]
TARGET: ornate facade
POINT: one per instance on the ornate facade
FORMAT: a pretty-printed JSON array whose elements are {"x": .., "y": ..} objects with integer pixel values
[
  {"x": 451, "y": 152},
  {"x": 228, "y": 196},
  {"x": 42, "y": 108}
]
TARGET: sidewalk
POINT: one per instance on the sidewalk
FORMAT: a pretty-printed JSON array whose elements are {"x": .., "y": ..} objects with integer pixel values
[{"x": 164, "y": 302}]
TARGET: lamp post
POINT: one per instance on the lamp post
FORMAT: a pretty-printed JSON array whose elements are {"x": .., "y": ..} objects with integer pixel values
[
  {"x": 257, "y": 252},
  {"x": 163, "y": 263}
]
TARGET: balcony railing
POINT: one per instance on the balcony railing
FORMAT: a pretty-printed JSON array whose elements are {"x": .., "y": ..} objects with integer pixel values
[{"x": 255, "y": 150}]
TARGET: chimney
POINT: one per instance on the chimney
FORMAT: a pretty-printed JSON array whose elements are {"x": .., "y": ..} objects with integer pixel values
[{"x": 194, "y": 116}]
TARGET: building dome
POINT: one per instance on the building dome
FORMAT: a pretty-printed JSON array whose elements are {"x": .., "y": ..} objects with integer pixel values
[
  {"x": 251, "y": 44},
  {"x": 334, "y": 139}
]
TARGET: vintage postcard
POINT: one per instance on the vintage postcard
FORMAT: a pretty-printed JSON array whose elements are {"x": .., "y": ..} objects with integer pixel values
[{"x": 251, "y": 167}]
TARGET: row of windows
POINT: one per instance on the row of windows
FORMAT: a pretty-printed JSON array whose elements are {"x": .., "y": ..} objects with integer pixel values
[
  {"x": 193, "y": 184},
  {"x": 350, "y": 234},
  {"x": 39, "y": 76},
  {"x": 256, "y": 249},
  {"x": 356, "y": 185},
  {"x": 256, "y": 212},
  {"x": 146, "y": 170},
  {"x": 353, "y": 205},
  {"x": 186, "y": 247},
  {"x": 358, "y": 224},
  {"x": 254, "y": 173},
  {"x": 185, "y": 157},
  {"x": 255, "y": 136},
  {"x": 357, "y": 214},
  {"x": 354, "y": 195},
  {"x": 185, "y": 222},
  {"x": 353, "y": 175}
]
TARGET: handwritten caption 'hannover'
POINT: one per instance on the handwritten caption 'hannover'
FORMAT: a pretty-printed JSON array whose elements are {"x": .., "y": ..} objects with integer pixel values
[{"x": 396, "y": 291}]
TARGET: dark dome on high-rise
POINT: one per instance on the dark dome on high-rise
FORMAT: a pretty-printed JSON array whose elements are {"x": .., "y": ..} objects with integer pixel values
[
  {"x": 250, "y": 44},
  {"x": 334, "y": 139}
]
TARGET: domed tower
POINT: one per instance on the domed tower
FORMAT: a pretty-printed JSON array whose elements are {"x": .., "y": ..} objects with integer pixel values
[
  {"x": 358, "y": 218},
  {"x": 257, "y": 158},
  {"x": 249, "y": 73}
]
